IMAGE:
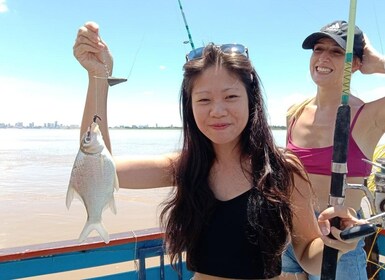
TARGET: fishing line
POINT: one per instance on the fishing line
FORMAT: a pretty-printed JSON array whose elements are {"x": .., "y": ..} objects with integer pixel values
[
  {"x": 96, "y": 82},
  {"x": 115, "y": 80},
  {"x": 369, "y": 254},
  {"x": 136, "y": 263},
  {"x": 377, "y": 26},
  {"x": 96, "y": 95},
  {"x": 135, "y": 56}
]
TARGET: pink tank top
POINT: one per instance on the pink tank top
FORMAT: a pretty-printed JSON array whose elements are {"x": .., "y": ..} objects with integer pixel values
[{"x": 319, "y": 160}]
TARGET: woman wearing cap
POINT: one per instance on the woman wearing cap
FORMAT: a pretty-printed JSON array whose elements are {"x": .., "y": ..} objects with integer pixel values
[{"x": 311, "y": 129}]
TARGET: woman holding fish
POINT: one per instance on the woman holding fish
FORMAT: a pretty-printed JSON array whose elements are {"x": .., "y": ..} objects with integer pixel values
[{"x": 235, "y": 205}]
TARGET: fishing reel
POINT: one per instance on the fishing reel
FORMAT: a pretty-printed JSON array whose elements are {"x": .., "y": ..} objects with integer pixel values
[
  {"x": 376, "y": 200},
  {"x": 379, "y": 181}
]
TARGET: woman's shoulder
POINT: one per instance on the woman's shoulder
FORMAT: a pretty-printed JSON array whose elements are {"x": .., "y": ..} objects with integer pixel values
[
  {"x": 295, "y": 110},
  {"x": 356, "y": 101},
  {"x": 372, "y": 111},
  {"x": 377, "y": 103}
]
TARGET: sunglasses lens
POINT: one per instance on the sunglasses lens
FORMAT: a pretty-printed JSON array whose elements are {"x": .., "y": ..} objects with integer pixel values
[
  {"x": 226, "y": 48},
  {"x": 233, "y": 48},
  {"x": 196, "y": 53}
]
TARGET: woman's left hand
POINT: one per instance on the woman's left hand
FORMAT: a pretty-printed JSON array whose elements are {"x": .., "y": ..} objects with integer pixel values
[
  {"x": 347, "y": 219},
  {"x": 372, "y": 60}
]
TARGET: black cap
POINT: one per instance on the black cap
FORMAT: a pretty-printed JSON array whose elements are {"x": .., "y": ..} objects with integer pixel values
[{"x": 338, "y": 31}]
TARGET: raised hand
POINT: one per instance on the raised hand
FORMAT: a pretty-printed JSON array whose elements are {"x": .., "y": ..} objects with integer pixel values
[
  {"x": 372, "y": 61},
  {"x": 92, "y": 52}
]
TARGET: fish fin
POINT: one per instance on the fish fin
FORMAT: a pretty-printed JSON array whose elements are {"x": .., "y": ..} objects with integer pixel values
[
  {"x": 71, "y": 193},
  {"x": 89, "y": 227},
  {"x": 116, "y": 182},
  {"x": 113, "y": 205},
  {"x": 70, "y": 196}
]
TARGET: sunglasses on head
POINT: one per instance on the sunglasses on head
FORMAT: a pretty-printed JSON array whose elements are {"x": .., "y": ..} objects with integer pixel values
[{"x": 226, "y": 48}]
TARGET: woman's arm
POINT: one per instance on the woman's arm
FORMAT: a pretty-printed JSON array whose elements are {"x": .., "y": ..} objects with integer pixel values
[
  {"x": 146, "y": 171},
  {"x": 93, "y": 54},
  {"x": 373, "y": 116}
]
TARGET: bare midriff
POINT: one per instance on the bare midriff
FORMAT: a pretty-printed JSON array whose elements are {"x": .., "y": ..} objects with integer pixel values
[{"x": 321, "y": 187}]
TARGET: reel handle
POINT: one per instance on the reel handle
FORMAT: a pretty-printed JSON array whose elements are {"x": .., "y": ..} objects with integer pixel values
[{"x": 358, "y": 231}]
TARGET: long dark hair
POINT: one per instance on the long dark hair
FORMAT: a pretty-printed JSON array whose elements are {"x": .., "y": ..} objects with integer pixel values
[{"x": 269, "y": 209}]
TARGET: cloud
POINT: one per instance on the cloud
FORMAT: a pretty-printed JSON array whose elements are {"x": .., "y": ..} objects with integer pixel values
[
  {"x": 39, "y": 102},
  {"x": 370, "y": 95},
  {"x": 277, "y": 107},
  {"x": 3, "y": 6},
  {"x": 33, "y": 101},
  {"x": 143, "y": 113}
]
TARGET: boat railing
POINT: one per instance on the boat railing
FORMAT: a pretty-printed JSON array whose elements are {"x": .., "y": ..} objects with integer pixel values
[{"x": 129, "y": 255}]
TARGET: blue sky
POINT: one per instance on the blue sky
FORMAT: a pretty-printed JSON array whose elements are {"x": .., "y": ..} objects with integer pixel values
[{"x": 40, "y": 80}]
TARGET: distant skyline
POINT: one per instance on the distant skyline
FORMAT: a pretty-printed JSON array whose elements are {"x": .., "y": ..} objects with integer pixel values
[{"x": 41, "y": 81}]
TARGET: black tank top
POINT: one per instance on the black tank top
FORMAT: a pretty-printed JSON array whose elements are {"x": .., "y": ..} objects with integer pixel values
[{"x": 224, "y": 249}]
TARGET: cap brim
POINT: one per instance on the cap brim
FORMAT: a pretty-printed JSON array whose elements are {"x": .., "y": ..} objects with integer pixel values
[{"x": 312, "y": 39}]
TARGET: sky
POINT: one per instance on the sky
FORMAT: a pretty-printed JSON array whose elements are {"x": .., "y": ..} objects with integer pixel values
[{"x": 42, "y": 82}]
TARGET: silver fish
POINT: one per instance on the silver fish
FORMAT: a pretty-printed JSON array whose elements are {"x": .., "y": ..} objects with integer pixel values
[{"x": 93, "y": 180}]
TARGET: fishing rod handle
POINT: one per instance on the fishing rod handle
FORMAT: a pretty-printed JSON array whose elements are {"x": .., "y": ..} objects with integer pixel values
[{"x": 359, "y": 231}]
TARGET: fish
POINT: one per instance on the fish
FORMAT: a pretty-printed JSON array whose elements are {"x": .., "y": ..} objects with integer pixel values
[{"x": 93, "y": 180}]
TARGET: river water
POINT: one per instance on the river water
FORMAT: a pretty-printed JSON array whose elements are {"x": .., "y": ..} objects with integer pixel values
[{"x": 35, "y": 166}]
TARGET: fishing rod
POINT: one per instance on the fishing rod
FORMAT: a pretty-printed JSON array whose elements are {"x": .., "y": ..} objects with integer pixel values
[
  {"x": 340, "y": 148},
  {"x": 186, "y": 25}
]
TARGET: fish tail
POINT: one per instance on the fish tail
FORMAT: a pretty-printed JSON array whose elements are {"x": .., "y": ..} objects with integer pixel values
[{"x": 89, "y": 227}]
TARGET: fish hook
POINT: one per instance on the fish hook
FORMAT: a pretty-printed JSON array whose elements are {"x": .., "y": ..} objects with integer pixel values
[
  {"x": 88, "y": 136},
  {"x": 96, "y": 117}
]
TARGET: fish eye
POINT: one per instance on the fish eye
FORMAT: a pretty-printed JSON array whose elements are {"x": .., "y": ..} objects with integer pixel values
[{"x": 87, "y": 139}]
